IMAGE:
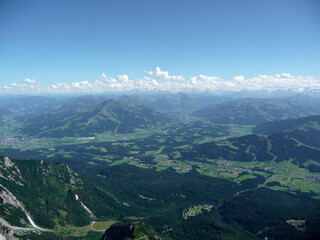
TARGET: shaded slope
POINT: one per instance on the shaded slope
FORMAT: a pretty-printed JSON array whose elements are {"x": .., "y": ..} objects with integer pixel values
[
  {"x": 136, "y": 230},
  {"x": 265, "y": 212},
  {"x": 305, "y": 130},
  {"x": 40, "y": 191}
]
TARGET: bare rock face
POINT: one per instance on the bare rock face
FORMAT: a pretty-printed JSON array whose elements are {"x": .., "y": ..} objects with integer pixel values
[
  {"x": 6, "y": 233},
  {"x": 9, "y": 171}
]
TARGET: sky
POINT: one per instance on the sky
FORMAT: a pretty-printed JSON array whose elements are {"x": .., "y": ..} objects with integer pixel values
[{"x": 168, "y": 45}]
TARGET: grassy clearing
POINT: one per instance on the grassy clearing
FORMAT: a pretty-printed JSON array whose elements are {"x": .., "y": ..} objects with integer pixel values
[
  {"x": 134, "y": 152},
  {"x": 244, "y": 177},
  {"x": 147, "y": 198},
  {"x": 103, "y": 226},
  {"x": 104, "y": 159},
  {"x": 93, "y": 163},
  {"x": 74, "y": 231},
  {"x": 279, "y": 188},
  {"x": 290, "y": 176},
  {"x": 125, "y": 160}
]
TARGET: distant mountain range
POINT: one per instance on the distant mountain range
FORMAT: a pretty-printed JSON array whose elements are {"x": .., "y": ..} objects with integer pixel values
[
  {"x": 252, "y": 111},
  {"x": 107, "y": 116},
  {"x": 174, "y": 103},
  {"x": 88, "y": 115},
  {"x": 23, "y": 105}
]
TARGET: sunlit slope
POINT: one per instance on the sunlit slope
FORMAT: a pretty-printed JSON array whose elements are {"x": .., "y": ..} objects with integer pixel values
[{"x": 108, "y": 116}]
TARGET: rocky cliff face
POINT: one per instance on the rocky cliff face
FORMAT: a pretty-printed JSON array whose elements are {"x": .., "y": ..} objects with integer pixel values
[{"x": 35, "y": 193}]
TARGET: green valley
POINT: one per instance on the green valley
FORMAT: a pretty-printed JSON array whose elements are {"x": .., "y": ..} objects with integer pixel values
[{"x": 160, "y": 177}]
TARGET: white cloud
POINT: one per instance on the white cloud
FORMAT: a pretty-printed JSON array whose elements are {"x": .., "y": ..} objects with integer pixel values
[
  {"x": 59, "y": 86},
  {"x": 210, "y": 83},
  {"x": 63, "y": 85},
  {"x": 17, "y": 85},
  {"x": 238, "y": 78},
  {"x": 147, "y": 83},
  {"x": 284, "y": 81},
  {"x": 149, "y": 72},
  {"x": 83, "y": 85},
  {"x": 28, "y": 80},
  {"x": 159, "y": 80},
  {"x": 164, "y": 75},
  {"x": 119, "y": 83}
]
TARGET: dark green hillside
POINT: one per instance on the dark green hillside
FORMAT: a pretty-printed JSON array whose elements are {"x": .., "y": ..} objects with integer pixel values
[
  {"x": 248, "y": 148},
  {"x": 53, "y": 196},
  {"x": 265, "y": 212},
  {"x": 108, "y": 116},
  {"x": 45, "y": 189},
  {"x": 303, "y": 130},
  {"x": 278, "y": 147},
  {"x": 160, "y": 197},
  {"x": 255, "y": 111},
  {"x": 288, "y": 125},
  {"x": 200, "y": 227},
  {"x": 295, "y": 139},
  {"x": 122, "y": 192},
  {"x": 165, "y": 187},
  {"x": 210, "y": 227},
  {"x": 136, "y": 230}
]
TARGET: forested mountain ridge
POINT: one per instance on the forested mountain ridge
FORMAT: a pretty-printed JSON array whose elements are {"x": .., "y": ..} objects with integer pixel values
[
  {"x": 296, "y": 140},
  {"x": 107, "y": 116},
  {"x": 49, "y": 200},
  {"x": 41, "y": 191},
  {"x": 306, "y": 124},
  {"x": 254, "y": 111}
]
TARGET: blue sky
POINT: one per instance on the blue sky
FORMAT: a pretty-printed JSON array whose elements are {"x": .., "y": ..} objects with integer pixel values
[{"x": 46, "y": 43}]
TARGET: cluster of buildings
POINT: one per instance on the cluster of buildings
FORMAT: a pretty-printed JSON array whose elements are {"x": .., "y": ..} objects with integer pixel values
[{"x": 24, "y": 142}]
